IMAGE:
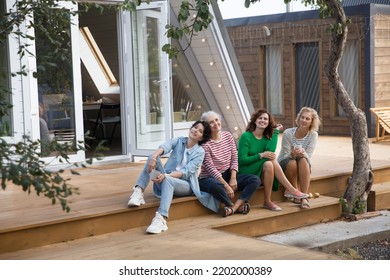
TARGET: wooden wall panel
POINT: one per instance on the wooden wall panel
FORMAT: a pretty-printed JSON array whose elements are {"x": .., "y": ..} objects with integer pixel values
[
  {"x": 382, "y": 60},
  {"x": 247, "y": 39}
]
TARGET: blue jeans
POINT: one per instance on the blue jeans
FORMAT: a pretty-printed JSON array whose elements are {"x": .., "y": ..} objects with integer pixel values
[
  {"x": 167, "y": 189},
  {"x": 246, "y": 183}
]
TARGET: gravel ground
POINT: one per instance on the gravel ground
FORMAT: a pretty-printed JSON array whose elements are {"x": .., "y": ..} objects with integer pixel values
[{"x": 374, "y": 250}]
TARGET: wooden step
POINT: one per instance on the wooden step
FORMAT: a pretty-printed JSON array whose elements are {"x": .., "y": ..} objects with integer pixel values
[
  {"x": 91, "y": 223},
  {"x": 335, "y": 185},
  {"x": 379, "y": 197},
  {"x": 203, "y": 237},
  {"x": 262, "y": 222},
  {"x": 102, "y": 208}
]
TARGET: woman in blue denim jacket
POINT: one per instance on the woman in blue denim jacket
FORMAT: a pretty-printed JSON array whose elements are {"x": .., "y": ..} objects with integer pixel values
[{"x": 179, "y": 175}]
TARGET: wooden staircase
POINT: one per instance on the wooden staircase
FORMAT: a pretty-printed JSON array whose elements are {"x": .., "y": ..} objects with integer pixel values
[{"x": 102, "y": 208}]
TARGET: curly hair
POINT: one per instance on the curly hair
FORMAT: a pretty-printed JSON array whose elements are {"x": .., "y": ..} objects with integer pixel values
[
  {"x": 206, "y": 131},
  {"x": 316, "y": 120},
  {"x": 269, "y": 130}
]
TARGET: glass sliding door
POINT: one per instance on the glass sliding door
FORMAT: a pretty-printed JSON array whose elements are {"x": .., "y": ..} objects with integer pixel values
[
  {"x": 151, "y": 72},
  {"x": 100, "y": 77},
  {"x": 5, "y": 114},
  {"x": 55, "y": 79},
  {"x": 58, "y": 79}
]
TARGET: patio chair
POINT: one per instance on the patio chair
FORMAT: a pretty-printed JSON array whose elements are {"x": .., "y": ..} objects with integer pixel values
[
  {"x": 382, "y": 123},
  {"x": 108, "y": 115}
]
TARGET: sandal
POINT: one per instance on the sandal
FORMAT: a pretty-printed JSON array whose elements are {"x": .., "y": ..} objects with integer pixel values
[
  {"x": 305, "y": 203},
  {"x": 272, "y": 207},
  {"x": 227, "y": 211},
  {"x": 244, "y": 208},
  {"x": 295, "y": 194},
  {"x": 296, "y": 201}
]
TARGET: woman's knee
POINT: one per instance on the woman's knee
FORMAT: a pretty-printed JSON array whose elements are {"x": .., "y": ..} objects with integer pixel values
[
  {"x": 291, "y": 167},
  {"x": 268, "y": 167},
  {"x": 168, "y": 184},
  {"x": 303, "y": 162}
]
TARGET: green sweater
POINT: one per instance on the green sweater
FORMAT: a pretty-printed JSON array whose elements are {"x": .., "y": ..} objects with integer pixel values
[{"x": 249, "y": 148}]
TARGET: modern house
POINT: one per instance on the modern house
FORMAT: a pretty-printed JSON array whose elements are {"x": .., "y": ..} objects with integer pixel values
[
  {"x": 282, "y": 58},
  {"x": 115, "y": 57}
]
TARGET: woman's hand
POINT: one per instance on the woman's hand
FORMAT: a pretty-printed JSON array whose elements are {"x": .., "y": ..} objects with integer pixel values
[
  {"x": 297, "y": 152},
  {"x": 233, "y": 184},
  {"x": 152, "y": 164},
  {"x": 279, "y": 126},
  {"x": 229, "y": 191},
  {"x": 269, "y": 155},
  {"x": 159, "y": 178}
]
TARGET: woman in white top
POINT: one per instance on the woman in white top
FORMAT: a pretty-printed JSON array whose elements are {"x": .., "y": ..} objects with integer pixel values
[{"x": 298, "y": 144}]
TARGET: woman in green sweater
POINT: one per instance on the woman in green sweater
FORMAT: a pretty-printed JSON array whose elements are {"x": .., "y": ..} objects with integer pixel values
[{"x": 256, "y": 155}]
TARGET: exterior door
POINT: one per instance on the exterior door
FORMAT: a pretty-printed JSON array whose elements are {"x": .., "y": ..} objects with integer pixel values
[
  {"x": 59, "y": 87},
  {"x": 152, "y": 102}
]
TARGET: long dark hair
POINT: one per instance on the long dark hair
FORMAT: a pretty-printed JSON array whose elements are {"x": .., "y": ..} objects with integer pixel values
[
  {"x": 269, "y": 130},
  {"x": 206, "y": 131}
]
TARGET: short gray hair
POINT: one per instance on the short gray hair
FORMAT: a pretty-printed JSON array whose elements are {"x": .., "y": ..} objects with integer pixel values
[{"x": 206, "y": 115}]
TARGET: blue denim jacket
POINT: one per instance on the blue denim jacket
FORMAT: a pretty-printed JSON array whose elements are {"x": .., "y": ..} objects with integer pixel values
[{"x": 176, "y": 146}]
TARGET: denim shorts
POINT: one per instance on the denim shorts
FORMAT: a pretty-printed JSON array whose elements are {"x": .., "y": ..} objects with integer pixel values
[{"x": 284, "y": 162}]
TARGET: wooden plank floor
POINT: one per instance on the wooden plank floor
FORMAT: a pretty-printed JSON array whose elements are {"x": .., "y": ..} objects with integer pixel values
[
  {"x": 107, "y": 188},
  {"x": 190, "y": 238}
]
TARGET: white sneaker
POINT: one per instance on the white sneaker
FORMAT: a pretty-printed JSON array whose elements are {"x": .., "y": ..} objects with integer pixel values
[
  {"x": 158, "y": 224},
  {"x": 137, "y": 198}
]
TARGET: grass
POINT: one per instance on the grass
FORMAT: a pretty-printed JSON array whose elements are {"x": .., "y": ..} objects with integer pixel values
[{"x": 348, "y": 253}]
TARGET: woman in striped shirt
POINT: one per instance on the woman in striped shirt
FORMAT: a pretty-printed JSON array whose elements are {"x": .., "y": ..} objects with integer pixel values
[
  {"x": 218, "y": 175},
  {"x": 298, "y": 144}
]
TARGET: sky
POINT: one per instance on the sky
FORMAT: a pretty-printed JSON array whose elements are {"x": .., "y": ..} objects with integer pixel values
[{"x": 236, "y": 8}]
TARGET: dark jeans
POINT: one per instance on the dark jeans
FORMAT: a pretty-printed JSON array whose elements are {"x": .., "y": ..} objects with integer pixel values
[{"x": 246, "y": 183}]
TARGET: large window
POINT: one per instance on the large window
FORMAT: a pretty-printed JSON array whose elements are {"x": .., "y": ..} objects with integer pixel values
[
  {"x": 55, "y": 77},
  {"x": 273, "y": 77},
  {"x": 189, "y": 102},
  {"x": 349, "y": 74},
  {"x": 5, "y": 114},
  {"x": 307, "y": 76}
]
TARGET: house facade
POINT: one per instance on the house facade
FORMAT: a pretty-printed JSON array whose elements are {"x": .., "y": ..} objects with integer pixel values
[
  {"x": 282, "y": 58},
  {"x": 115, "y": 57}
]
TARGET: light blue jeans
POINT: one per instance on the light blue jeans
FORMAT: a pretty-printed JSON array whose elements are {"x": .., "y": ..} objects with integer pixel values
[{"x": 166, "y": 190}]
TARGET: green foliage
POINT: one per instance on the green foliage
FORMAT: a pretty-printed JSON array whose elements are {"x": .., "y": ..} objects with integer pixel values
[
  {"x": 193, "y": 19},
  {"x": 349, "y": 253},
  {"x": 126, "y": 5},
  {"x": 22, "y": 165},
  {"x": 344, "y": 204},
  {"x": 359, "y": 206},
  {"x": 4, "y": 104}
]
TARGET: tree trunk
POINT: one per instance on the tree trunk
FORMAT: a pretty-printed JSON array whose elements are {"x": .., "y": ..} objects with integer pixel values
[{"x": 359, "y": 184}]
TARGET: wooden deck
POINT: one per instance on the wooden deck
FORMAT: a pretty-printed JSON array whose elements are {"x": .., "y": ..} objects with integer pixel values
[{"x": 101, "y": 226}]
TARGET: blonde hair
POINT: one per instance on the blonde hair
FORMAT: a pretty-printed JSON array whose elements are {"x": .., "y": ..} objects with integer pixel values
[{"x": 316, "y": 120}]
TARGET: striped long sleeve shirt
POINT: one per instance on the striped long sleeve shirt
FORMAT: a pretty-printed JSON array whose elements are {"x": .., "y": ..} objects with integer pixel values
[{"x": 219, "y": 156}]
